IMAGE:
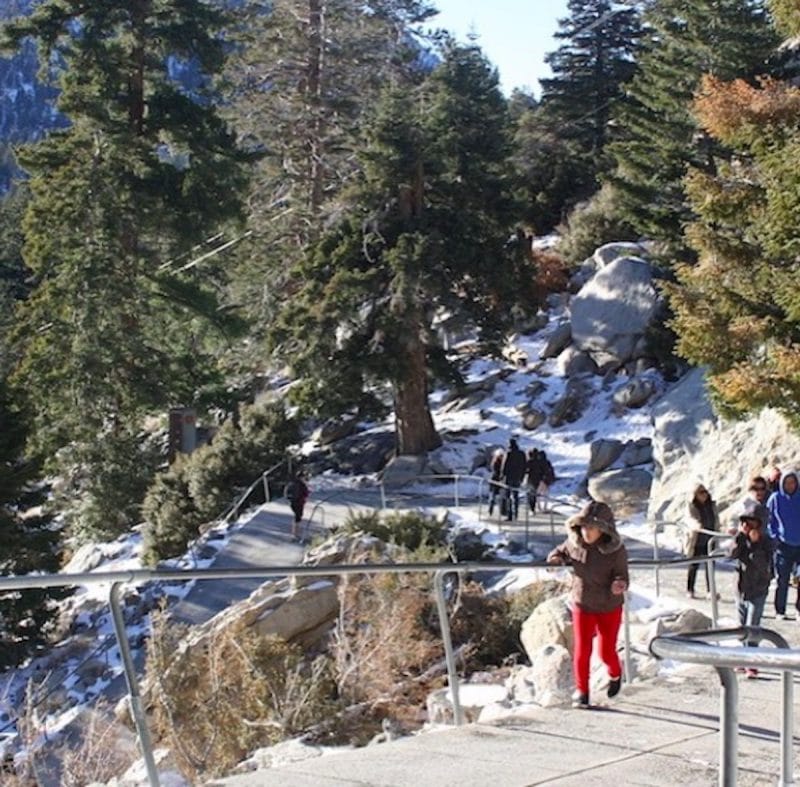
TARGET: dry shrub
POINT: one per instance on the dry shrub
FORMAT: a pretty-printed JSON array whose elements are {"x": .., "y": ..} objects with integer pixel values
[
  {"x": 481, "y": 622},
  {"x": 99, "y": 749},
  {"x": 214, "y": 705},
  {"x": 551, "y": 272},
  {"x": 385, "y": 640},
  {"x": 524, "y": 601}
]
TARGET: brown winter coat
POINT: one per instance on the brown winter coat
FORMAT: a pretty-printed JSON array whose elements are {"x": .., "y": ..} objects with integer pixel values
[{"x": 595, "y": 566}]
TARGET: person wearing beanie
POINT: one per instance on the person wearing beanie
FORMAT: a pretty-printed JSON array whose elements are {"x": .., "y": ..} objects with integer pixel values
[
  {"x": 784, "y": 530},
  {"x": 599, "y": 562},
  {"x": 752, "y": 551}
]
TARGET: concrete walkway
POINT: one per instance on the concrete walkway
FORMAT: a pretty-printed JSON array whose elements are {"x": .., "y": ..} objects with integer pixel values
[{"x": 662, "y": 732}]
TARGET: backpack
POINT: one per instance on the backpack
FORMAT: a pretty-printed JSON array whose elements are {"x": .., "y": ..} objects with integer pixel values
[{"x": 291, "y": 490}]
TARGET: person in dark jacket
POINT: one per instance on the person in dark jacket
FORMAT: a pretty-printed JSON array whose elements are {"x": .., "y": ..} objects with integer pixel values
[
  {"x": 752, "y": 551},
  {"x": 703, "y": 520},
  {"x": 496, "y": 489},
  {"x": 784, "y": 530},
  {"x": 513, "y": 473},
  {"x": 599, "y": 562},
  {"x": 297, "y": 492},
  {"x": 534, "y": 474}
]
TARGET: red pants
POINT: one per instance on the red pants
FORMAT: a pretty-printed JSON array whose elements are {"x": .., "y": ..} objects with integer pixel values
[{"x": 584, "y": 626}]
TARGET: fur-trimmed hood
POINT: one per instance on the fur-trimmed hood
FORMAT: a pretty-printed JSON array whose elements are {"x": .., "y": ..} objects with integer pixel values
[{"x": 602, "y": 517}]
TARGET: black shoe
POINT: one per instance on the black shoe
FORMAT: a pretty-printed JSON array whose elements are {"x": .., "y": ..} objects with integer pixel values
[
  {"x": 580, "y": 700},
  {"x": 614, "y": 686}
]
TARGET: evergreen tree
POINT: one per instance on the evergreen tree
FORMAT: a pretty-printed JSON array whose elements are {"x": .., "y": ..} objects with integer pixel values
[
  {"x": 726, "y": 38},
  {"x": 737, "y": 310},
  {"x": 424, "y": 232},
  {"x": 303, "y": 74},
  {"x": 28, "y": 542},
  {"x": 560, "y": 144},
  {"x": 118, "y": 323}
]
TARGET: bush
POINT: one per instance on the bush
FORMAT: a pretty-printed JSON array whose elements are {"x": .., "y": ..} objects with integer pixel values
[
  {"x": 197, "y": 488},
  {"x": 411, "y": 529},
  {"x": 213, "y": 705},
  {"x": 171, "y": 516},
  {"x": 592, "y": 224},
  {"x": 482, "y": 622},
  {"x": 103, "y": 484},
  {"x": 386, "y": 639}
]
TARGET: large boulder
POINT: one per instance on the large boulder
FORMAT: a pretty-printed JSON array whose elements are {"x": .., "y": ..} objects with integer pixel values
[
  {"x": 551, "y": 674},
  {"x": 402, "y": 470},
  {"x": 557, "y": 341},
  {"x": 549, "y": 624},
  {"x": 692, "y": 444},
  {"x": 603, "y": 453},
  {"x": 637, "y": 452},
  {"x": 573, "y": 362},
  {"x": 612, "y": 311},
  {"x": 570, "y": 406},
  {"x": 635, "y": 393},
  {"x": 610, "y": 252},
  {"x": 628, "y": 487}
]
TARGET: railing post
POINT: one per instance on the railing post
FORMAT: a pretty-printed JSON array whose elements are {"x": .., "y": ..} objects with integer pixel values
[
  {"x": 457, "y": 502},
  {"x": 712, "y": 589},
  {"x": 729, "y": 727},
  {"x": 787, "y": 729},
  {"x": 383, "y": 497},
  {"x": 266, "y": 487},
  {"x": 627, "y": 636},
  {"x": 655, "y": 557},
  {"x": 444, "y": 623},
  {"x": 134, "y": 698}
]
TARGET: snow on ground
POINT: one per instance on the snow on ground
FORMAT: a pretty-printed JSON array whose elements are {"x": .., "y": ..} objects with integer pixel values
[{"x": 477, "y": 431}]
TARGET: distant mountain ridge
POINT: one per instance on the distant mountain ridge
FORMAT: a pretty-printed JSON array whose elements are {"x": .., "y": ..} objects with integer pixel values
[{"x": 27, "y": 106}]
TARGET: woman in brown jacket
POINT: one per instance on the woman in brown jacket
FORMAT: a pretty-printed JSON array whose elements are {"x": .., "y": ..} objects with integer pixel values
[{"x": 599, "y": 562}]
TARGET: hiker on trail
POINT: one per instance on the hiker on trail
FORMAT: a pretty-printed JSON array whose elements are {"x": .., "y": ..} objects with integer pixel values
[
  {"x": 547, "y": 480},
  {"x": 752, "y": 551},
  {"x": 496, "y": 479},
  {"x": 297, "y": 492},
  {"x": 599, "y": 564},
  {"x": 784, "y": 530},
  {"x": 702, "y": 517},
  {"x": 534, "y": 475},
  {"x": 513, "y": 473}
]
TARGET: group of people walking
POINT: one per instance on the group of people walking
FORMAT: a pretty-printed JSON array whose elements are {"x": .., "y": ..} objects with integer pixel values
[
  {"x": 766, "y": 543},
  {"x": 513, "y": 470}
]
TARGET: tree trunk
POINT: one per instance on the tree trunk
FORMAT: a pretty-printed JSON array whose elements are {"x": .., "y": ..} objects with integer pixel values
[{"x": 414, "y": 429}]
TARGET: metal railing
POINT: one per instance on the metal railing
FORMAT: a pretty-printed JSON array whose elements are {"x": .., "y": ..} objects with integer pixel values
[
  {"x": 116, "y": 579},
  {"x": 693, "y": 649}
]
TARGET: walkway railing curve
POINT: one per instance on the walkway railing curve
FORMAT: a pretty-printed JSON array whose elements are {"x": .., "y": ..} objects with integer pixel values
[{"x": 695, "y": 649}]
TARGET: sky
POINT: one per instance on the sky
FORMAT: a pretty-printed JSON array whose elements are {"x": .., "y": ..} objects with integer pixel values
[{"x": 514, "y": 34}]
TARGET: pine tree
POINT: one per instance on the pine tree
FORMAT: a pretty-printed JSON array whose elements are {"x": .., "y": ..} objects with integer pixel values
[
  {"x": 303, "y": 75},
  {"x": 118, "y": 324},
  {"x": 29, "y": 542},
  {"x": 737, "y": 310},
  {"x": 424, "y": 231},
  {"x": 561, "y": 142},
  {"x": 726, "y": 38}
]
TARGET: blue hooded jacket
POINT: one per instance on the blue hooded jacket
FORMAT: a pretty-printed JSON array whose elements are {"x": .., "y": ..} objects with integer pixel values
[{"x": 784, "y": 513}]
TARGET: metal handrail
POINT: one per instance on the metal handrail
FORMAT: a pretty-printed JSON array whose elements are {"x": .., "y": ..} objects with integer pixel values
[
  {"x": 138, "y": 576},
  {"x": 686, "y": 647}
]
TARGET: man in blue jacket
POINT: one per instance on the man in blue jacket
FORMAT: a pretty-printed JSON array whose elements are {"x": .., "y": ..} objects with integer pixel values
[{"x": 784, "y": 530}]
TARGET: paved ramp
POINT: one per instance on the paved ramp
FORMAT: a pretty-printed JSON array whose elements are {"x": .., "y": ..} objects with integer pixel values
[{"x": 654, "y": 733}]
